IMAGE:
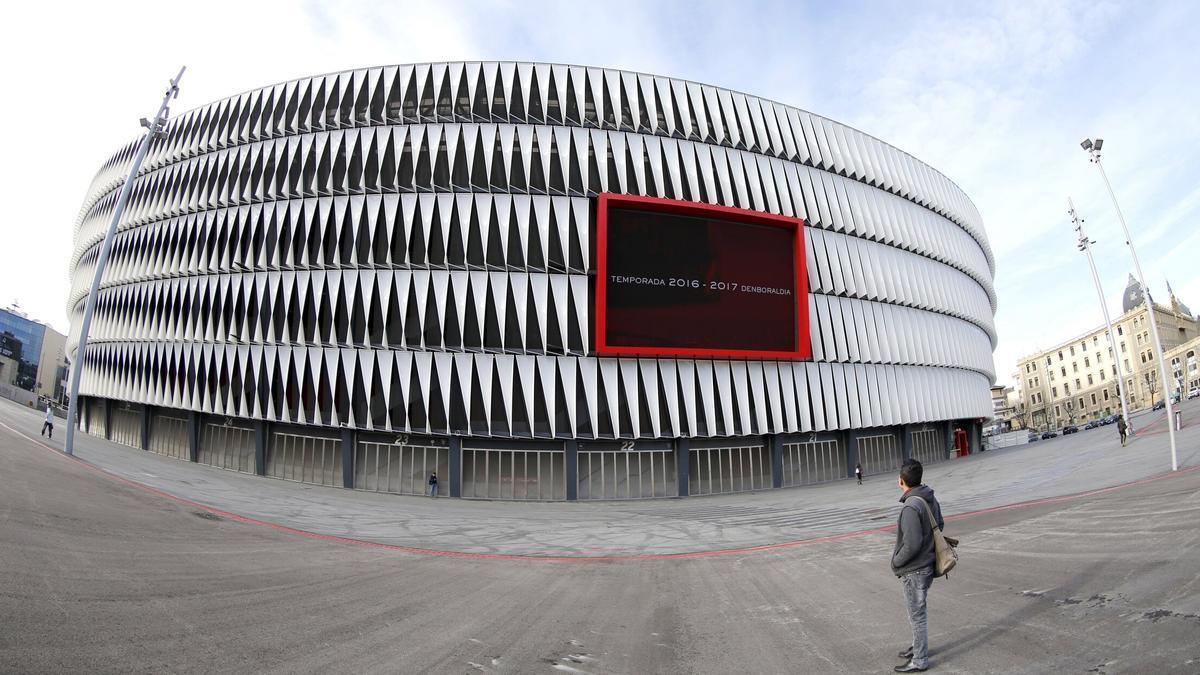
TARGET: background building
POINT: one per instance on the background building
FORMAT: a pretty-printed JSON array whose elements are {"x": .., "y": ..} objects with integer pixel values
[
  {"x": 1075, "y": 381},
  {"x": 32, "y": 360},
  {"x": 356, "y": 278}
]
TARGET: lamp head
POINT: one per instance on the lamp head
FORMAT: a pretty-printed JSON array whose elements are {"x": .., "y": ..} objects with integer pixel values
[
  {"x": 1098, "y": 144},
  {"x": 1086, "y": 144}
]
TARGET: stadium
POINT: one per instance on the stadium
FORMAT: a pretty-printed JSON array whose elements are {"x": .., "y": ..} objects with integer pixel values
[{"x": 541, "y": 281}]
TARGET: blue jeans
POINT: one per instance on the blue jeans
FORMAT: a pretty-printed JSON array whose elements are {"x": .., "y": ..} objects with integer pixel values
[
  {"x": 916, "y": 588},
  {"x": 433, "y": 490}
]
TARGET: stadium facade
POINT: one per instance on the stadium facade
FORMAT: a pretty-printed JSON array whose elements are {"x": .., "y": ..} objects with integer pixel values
[{"x": 540, "y": 281}]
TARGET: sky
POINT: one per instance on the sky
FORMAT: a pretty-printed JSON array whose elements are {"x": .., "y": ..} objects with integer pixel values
[{"x": 995, "y": 95}]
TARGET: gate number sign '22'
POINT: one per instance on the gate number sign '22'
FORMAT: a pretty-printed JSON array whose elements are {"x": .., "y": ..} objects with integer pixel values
[{"x": 678, "y": 278}]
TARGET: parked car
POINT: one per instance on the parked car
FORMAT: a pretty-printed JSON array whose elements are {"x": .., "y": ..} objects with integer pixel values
[
  {"x": 1033, "y": 436},
  {"x": 1158, "y": 405},
  {"x": 1092, "y": 424},
  {"x": 1193, "y": 393},
  {"x": 1070, "y": 429},
  {"x": 1049, "y": 434},
  {"x": 1111, "y": 419}
]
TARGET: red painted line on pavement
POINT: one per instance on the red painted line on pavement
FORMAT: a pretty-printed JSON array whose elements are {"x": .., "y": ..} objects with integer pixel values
[{"x": 248, "y": 520}]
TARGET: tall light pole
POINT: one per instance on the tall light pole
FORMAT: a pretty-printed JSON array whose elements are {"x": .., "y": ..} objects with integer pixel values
[
  {"x": 154, "y": 129},
  {"x": 1085, "y": 245},
  {"x": 1092, "y": 148}
]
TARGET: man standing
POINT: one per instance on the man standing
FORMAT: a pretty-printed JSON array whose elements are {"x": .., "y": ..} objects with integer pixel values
[
  {"x": 1123, "y": 429},
  {"x": 858, "y": 472},
  {"x": 48, "y": 425},
  {"x": 433, "y": 484},
  {"x": 913, "y": 560}
]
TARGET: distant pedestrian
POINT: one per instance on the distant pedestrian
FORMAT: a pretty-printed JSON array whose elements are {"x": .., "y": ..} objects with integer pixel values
[
  {"x": 858, "y": 472},
  {"x": 48, "y": 425},
  {"x": 913, "y": 560},
  {"x": 1123, "y": 429},
  {"x": 433, "y": 484}
]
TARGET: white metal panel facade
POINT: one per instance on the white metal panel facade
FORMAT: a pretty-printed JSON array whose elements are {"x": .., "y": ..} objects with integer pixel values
[{"x": 408, "y": 249}]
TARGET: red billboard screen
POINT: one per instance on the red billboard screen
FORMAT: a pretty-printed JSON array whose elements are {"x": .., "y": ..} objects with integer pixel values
[{"x": 684, "y": 279}]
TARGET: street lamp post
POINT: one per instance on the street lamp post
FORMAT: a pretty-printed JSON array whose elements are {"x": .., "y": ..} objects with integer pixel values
[
  {"x": 1085, "y": 245},
  {"x": 1092, "y": 148},
  {"x": 154, "y": 129}
]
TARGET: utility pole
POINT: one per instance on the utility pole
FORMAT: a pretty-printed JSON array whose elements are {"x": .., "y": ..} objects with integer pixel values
[
  {"x": 1093, "y": 149},
  {"x": 154, "y": 129},
  {"x": 1085, "y": 245}
]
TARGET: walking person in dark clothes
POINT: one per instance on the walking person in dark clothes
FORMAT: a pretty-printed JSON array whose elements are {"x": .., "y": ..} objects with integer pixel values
[
  {"x": 913, "y": 560},
  {"x": 433, "y": 484},
  {"x": 1123, "y": 429},
  {"x": 48, "y": 425},
  {"x": 858, "y": 472}
]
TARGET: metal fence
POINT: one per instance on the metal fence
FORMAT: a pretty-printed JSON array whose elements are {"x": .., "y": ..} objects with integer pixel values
[
  {"x": 734, "y": 468},
  {"x": 169, "y": 436},
  {"x": 226, "y": 446},
  {"x": 514, "y": 474},
  {"x": 126, "y": 426},
  {"x": 306, "y": 459},
  {"x": 813, "y": 462},
  {"x": 879, "y": 453},
  {"x": 928, "y": 446},
  {"x": 399, "y": 468},
  {"x": 94, "y": 422},
  {"x": 632, "y": 474}
]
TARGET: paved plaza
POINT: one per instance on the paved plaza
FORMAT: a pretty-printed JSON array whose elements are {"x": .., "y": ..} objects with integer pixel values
[{"x": 126, "y": 560}]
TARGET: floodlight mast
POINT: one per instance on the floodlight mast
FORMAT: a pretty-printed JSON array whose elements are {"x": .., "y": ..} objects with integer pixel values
[
  {"x": 154, "y": 130},
  {"x": 1085, "y": 245},
  {"x": 1092, "y": 147}
]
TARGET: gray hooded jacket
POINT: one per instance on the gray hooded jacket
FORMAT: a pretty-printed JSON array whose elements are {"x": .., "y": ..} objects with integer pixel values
[{"x": 914, "y": 534}]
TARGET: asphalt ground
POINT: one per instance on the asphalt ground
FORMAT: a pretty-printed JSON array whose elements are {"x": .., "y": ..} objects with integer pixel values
[{"x": 102, "y": 572}]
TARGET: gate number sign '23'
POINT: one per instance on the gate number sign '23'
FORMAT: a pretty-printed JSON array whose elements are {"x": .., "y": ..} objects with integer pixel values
[{"x": 678, "y": 278}]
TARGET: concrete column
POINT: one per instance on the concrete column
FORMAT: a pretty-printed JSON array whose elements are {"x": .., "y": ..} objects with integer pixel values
[
  {"x": 976, "y": 436},
  {"x": 108, "y": 419},
  {"x": 948, "y": 438},
  {"x": 193, "y": 430},
  {"x": 572, "y": 449},
  {"x": 262, "y": 436},
  {"x": 775, "y": 443},
  {"x": 683, "y": 454},
  {"x": 348, "y": 458},
  {"x": 906, "y": 442},
  {"x": 455, "y": 477},
  {"x": 146, "y": 417},
  {"x": 851, "y": 452}
]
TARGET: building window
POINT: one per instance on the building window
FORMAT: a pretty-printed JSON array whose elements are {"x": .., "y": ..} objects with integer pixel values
[
  {"x": 1087, "y": 363},
  {"x": 1054, "y": 392},
  {"x": 1066, "y": 389},
  {"x": 1072, "y": 350},
  {"x": 1120, "y": 330},
  {"x": 1064, "y": 371},
  {"x": 1060, "y": 356},
  {"x": 1047, "y": 360},
  {"x": 1077, "y": 385},
  {"x": 1101, "y": 376},
  {"x": 1075, "y": 367},
  {"x": 1105, "y": 394},
  {"x": 1089, "y": 379},
  {"x": 1093, "y": 399}
]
